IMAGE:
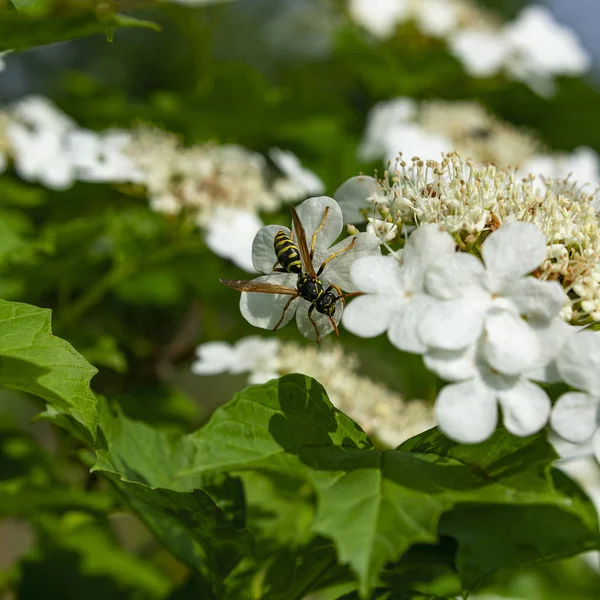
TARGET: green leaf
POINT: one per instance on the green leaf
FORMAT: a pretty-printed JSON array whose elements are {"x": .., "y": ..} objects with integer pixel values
[
  {"x": 522, "y": 535},
  {"x": 39, "y": 22},
  {"x": 194, "y": 518},
  {"x": 78, "y": 558},
  {"x": 33, "y": 360},
  {"x": 374, "y": 505}
]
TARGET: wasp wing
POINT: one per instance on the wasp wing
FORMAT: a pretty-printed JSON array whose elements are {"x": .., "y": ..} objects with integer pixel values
[
  {"x": 302, "y": 245},
  {"x": 263, "y": 287}
]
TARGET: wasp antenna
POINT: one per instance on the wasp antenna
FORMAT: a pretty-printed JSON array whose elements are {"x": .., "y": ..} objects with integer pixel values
[{"x": 334, "y": 326}]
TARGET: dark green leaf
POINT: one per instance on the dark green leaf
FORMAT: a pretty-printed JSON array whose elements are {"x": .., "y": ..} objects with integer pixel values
[
  {"x": 522, "y": 535},
  {"x": 374, "y": 505},
  {"x": 198, "y": 526},
  {"x": 40, "y": 22}
]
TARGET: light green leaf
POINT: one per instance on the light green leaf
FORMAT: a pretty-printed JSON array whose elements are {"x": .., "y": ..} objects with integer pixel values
[{"x": 35, "y": 361}]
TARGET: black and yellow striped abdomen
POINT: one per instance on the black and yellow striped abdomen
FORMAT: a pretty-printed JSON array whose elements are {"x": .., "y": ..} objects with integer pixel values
[{"x": 287, "y": 253}]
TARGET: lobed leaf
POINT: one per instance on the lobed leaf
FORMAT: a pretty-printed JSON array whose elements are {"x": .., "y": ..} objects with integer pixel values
[
  {"x": 375, "y": 504},
  {"x": 35, "y": 361}
]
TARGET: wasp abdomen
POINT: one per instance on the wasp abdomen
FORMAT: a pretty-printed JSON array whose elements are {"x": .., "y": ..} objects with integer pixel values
[{"x": 287, "y": 253}]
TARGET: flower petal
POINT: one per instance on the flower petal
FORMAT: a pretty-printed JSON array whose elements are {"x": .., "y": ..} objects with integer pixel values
[
  {"x": 338, "y": 271},
  {"x": 452, "y": 365},
  {"x": 370, "y": 315},
  {"x": 551, "y": 336},
  {"x": 377, "y": 274},
  {"x": 255, "y": 353},
  {"x": 403, "y": 332},
  {"x": 213, "y": 358},
  {"x": 355, "y": 197},
  {"x": 466, "y": 412},
  {"x": 525, "y": 408},
  {"x": 265, "y": 310},
  {"x": 263, "y": 249},
  {"x": 514, "y": 250},
  {"x": 425, "y": 246},
  {"x": 510, "y": 345},
  {"x": 535, "y": 298},
  {"x": 449, "y": 278},
  {"x": 596, "y": 444},
  {"x": 230, "y": 233},
  {"x": 453, "y": 324},
  {"x": 578, "y": 361},
  {"x": 311, "y": 213},
  {"x": 575, "y": 416},
  {"x": 323, "y": 323}
]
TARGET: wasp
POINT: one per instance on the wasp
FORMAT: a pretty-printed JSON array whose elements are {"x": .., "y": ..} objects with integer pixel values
[{"x": 296, "y": 258}]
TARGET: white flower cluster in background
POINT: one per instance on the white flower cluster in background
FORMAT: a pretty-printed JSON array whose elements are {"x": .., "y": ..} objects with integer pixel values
[
  {"x": 381, "y": 412},
  {"x": 221, "y": 188},
  {"x": 469, "y": 202},
  {"x": 433, "y": 127},
  {"x": 435, "y": 18},
  {"x": 534, "y": 48},
  {"x": 48, "y": 147}
]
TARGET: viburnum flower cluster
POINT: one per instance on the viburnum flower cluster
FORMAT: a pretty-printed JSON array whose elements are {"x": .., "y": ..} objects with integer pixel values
[
  {"x": 476, "y": 309},
  {"x": 533, "y": 48},
  {"x": 220, "y": 188},
  {"x": 432, "y": 127},
  {"x": 468, "y": 201},
  {"x": 382, "y": 413}
]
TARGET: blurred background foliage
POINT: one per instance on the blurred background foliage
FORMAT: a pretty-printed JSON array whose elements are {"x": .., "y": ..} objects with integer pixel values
[{"x": 135, "y": 291}]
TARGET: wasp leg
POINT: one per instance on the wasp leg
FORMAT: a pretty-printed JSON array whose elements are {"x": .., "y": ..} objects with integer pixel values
[
  {"x": 339, "y": 291},
  {"x": 314, "y": 324},
  {"x": 287, "y": 305},
  {"x": 277, "y": 269},
  {"x": 314, "y": 235},
  {"x": 334, "y": 255}
]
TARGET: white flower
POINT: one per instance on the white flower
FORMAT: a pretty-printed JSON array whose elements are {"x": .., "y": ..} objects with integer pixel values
[
  {"x": 382, "y": 118},
  {"x": 40, "y": 155},
  {"x": 467, "y": 411},
  {"x": 544, "y": 46},
  {"x": 230, "y": 234},
  {"x": 40, "y": 113},
  {"x": 576, "y": 415},
  {"x": 581, "y": 166},
  {"x": 379, "y": 17},
  {"x": 356, "y": 194},
  {"x": 267, "y": 310},
  {"x": 436, "y": 17},
  {"x": 384, "y": 231},
  {"x": 251, "y": 354},
  {"x": 415, "y": 141},
  {"x": 100, "y": 157},
  {"x": 395, "y": 300},
  {"x": 298, "y": 181},
  {"x": 482, "y": 52},
  {"x": 473, "y": 299}
]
